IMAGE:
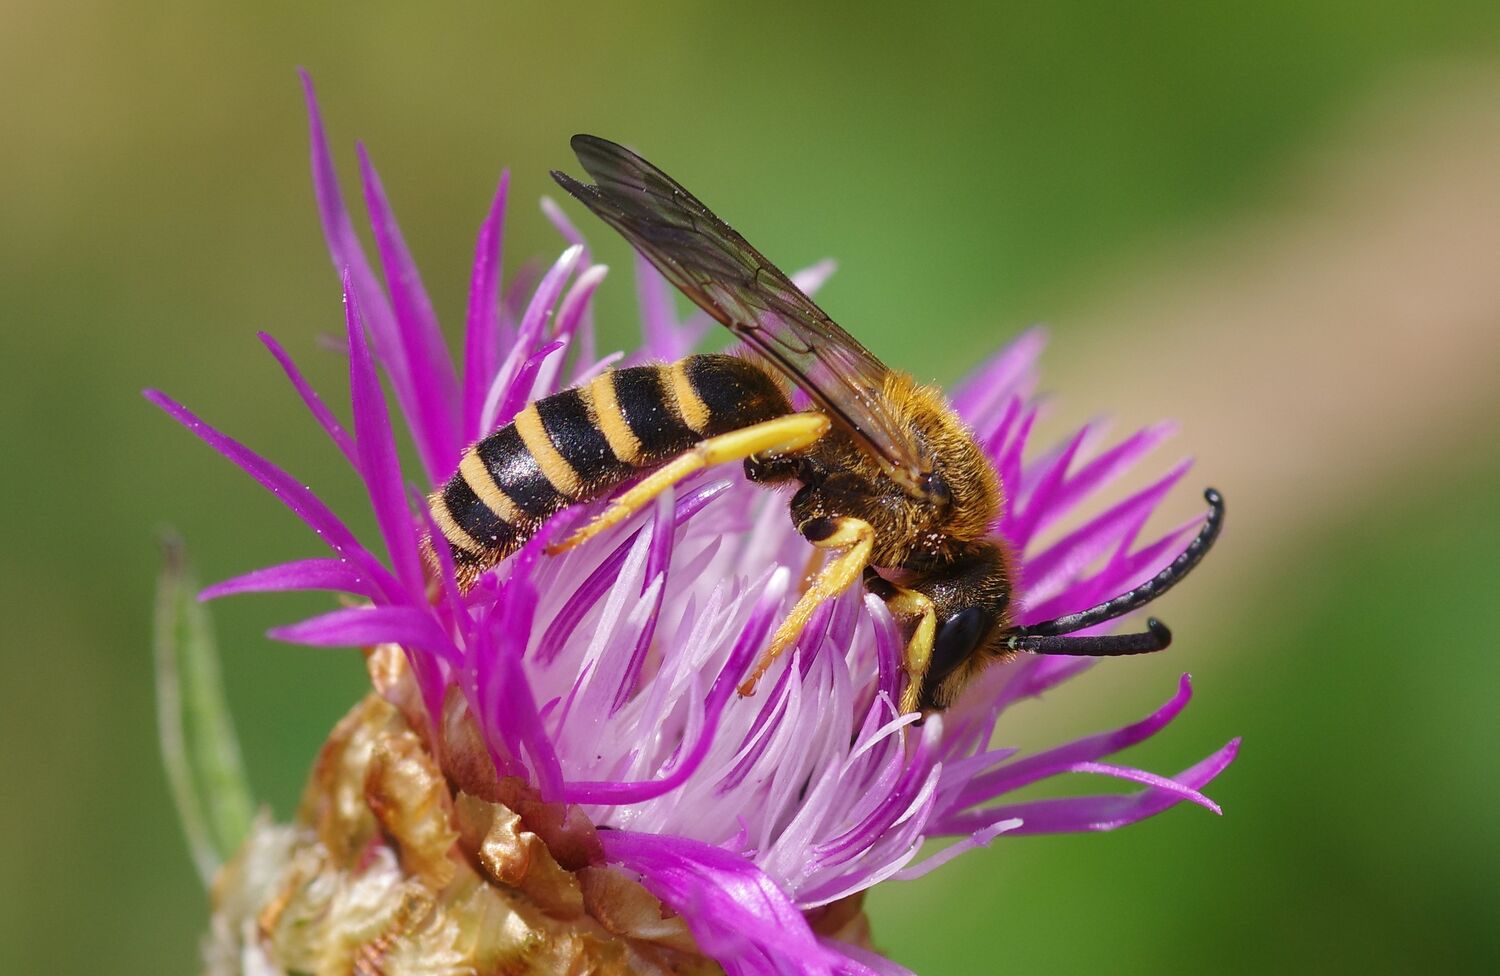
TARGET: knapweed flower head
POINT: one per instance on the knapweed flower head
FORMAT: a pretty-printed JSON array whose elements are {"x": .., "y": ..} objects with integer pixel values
[{"x": 556, "y": 768}]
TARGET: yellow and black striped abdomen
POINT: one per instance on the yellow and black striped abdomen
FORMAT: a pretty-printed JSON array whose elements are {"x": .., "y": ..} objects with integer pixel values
[{"x": 577, "y": 445}]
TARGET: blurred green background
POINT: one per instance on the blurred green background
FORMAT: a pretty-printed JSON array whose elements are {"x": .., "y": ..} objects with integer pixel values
[{"x": 974, "y": 170}]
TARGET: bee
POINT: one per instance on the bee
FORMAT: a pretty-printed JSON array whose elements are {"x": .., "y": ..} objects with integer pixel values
[{"x": 888, "y": 480}]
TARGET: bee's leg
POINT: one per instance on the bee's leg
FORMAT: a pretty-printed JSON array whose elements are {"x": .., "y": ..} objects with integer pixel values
[
  {"x": 792, "y": 432},
  {"x": 810, "y": 569},
  {"x": 909, "y": 606},
  {"x": 914, "y": 611},
  {"x": 851, "y": 539}
]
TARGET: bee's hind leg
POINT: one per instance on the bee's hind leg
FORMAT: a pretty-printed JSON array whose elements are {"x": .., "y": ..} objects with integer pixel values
[
  {"x": 851, "y": 540},
  {"x": 793, "y": 432}
]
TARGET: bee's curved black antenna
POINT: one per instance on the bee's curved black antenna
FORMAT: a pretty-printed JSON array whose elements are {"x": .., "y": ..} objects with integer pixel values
[
  {"x": 1046, "y": 637},
  {"x": 1156, "y": 638}
]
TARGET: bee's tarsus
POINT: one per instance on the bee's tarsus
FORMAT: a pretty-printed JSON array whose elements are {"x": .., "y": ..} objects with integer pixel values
[{"x": 851, "y": 539}]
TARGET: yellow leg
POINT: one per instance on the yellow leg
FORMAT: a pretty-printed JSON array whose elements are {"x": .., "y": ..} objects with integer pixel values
[
  {"x": 852, "y": 539},
  {"x": 780, "y": 436},
  {"x": 907, "y": 606},
  {"x": 810, "y": 570}
]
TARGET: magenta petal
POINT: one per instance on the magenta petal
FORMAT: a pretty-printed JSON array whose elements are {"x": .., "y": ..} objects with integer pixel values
[
  {"x": 658, "y": 316},
  {"x": 507, "y": 706},
  {"x": 1133, "y": 775},
  {"x": 315, "y": 404},
  {"x": 575, "y": 303},
  {"x": 305, "y": 574},
  {"x": 888, "y": 649},
  {"x": 521, "y": 387},
  {"x": 894, "y": 807},
  {"x": 1022, "y": 772},
  {"x": 1028, "y": 511},
  {"x": 586, "y": 594},
  {"x": 815, "y": 276},
  {"x": 1122, "y": 571},
  {"x": 378, "y": 464},
  {"x": 1048, "y": 574},
  {"x": 482, "y": 325},
  {"x": 980, "y": 838},
  {"x": 690, "y": 335},
  {"x": 994, "y": 434},
  {"x": 367, "y": 626},
  {"x": 504, "y": 388},
  {"x": 534, "y": 319},
  {"x": 1008, "y": 457},
  {"x": 290, "y": 492},
  {"x": 349, "y": 256},
  {"x": 874, "y": 962},
  {"x": 1099, "y": 472},
  {"x": 983, "y": 392},
  {"x": 658, "y": 558},
  {"x": 1110, "y": 811},
  {"x": 758, "y": 738},
  {"x": 435, "y": 424},
  {"x": 1034, "y": 676},
  {"x": 737, "y": 914},
  {"x": 565, "y": 227}
]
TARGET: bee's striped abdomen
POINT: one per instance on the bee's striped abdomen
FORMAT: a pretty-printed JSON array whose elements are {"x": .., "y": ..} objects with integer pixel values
[{"x": 577, "y": 445}]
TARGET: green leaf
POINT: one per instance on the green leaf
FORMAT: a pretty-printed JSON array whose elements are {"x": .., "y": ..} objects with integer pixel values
[{"x": 198, "y": 743}]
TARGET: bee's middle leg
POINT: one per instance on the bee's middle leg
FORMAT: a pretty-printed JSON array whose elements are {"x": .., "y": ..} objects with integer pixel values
[
  {"x": 916, "y": 615},
  {"x": 915, "y": 610},
  {"x": 852, "y": 540}
]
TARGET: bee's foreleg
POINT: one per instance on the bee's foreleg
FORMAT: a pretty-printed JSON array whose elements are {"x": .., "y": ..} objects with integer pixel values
[
  {"x": 851, "y": 539},
  {"x": 793, "y": 432}
]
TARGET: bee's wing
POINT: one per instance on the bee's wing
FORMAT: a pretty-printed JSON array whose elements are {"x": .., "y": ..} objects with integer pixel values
[{"x": 733, "y": 282}]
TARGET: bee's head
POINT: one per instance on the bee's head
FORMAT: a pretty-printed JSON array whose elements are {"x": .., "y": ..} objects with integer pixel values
[{"x": 956, "y": 656}]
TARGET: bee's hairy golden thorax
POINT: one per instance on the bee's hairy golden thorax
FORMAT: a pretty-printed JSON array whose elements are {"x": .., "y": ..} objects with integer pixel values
[{"x": 839, "y": 478}]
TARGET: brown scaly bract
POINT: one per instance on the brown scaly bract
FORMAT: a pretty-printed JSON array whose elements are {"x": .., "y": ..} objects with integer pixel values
[{"x": 402, "y": 864}]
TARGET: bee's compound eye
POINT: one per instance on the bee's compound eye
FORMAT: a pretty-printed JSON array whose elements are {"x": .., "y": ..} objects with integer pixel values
[{"x": 956, "y": 640}]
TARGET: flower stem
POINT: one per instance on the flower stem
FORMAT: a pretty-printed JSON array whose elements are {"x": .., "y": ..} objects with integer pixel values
[{"x": 198, "y": 744}]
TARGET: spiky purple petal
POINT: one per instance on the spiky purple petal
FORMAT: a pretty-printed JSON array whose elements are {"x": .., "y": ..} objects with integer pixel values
[
  {"x": 434, "y": 382},
  {"x": 482, "y": 324},
  {"x": 304, "y": 574},
  {"x": 312, "y": 400},
  {"x": 379, "y": 466},
  {"x": 506, "y": 396},
  {"x": 291, "y": 493},
  {"x": 365, "y": 626},
  {"x": 1109, "y": 811}
]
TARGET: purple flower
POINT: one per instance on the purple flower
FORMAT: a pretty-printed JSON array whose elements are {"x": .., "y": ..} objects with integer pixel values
[{"x": 603, "y": 679}]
